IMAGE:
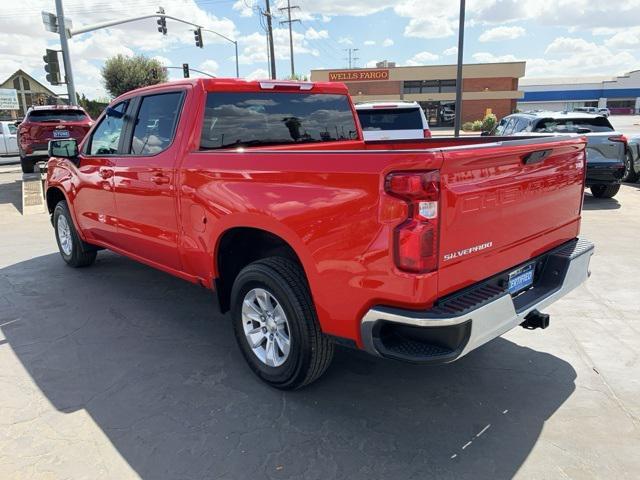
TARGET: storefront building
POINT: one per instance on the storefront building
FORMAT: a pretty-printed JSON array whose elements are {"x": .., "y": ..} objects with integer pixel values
[
  {"x": 485, "y": 86},
  {"x": 620, "y": 94}
]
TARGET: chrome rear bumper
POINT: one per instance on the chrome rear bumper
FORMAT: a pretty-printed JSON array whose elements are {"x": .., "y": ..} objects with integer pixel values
[{"x": 468, "y": 319}]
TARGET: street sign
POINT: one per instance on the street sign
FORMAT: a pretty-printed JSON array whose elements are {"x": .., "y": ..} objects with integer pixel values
[
  {"x": 50, "y": 22},
  {"x": 9, "y": 99}
]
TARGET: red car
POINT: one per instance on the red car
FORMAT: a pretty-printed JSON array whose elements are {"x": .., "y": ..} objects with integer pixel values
[
  {"x": 265, "y": 192},
  {"x": 49, "y": 122}
]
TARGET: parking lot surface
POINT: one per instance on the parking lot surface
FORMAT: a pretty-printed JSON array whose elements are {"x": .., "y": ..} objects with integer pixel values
[{"x": 119, "y": 371}]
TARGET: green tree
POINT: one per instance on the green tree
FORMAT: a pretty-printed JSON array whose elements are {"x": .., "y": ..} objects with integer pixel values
[
  {"x": 92, "y": 107},
  {"x": 121, "y": 74}
]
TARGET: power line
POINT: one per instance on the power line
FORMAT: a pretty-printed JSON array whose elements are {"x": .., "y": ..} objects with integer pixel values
[
  {"x": 352, "y": 58},
  {"x": 288, "y": 8}
]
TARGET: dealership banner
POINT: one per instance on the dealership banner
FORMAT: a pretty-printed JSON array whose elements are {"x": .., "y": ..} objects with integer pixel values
[
  {"x": 358, "y": 75},
  {"x": 9, "y": 99}
]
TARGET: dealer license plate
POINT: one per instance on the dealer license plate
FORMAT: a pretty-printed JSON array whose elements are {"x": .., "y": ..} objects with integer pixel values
[
  {"x": 61, "y": 134},
  {"x": 521, "y": 278}
]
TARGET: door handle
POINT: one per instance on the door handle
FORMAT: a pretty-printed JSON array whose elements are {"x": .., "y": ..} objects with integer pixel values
[
  {"x": 105, "y": 173},
  {"x": 160, "y": 179}
]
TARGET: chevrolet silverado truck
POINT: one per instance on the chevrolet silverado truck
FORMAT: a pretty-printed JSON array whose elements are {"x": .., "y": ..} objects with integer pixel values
[{"x": 266, "y": 193}]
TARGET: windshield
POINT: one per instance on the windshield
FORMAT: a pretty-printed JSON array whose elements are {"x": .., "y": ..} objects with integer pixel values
[
  {"x": 390, "y": 119},
  {"x": 573, "y": 125},
  {"x": 57, "y": 116},
  {"x": 275, "y": 118},
  {"x": 12, "y": 128}
]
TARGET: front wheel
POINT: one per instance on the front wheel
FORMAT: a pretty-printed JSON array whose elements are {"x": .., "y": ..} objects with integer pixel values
[
  {"x": 72, "y": 249},
  {"x": 276, "y": 325},
  {"x": 605, "y": 191}
]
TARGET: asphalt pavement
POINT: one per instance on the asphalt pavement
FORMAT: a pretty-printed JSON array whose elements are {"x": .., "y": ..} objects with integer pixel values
[{"x": 119, "y": 371}]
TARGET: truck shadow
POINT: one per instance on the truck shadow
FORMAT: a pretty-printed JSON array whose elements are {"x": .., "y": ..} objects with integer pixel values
[
  {"x": 143, "y": 354},
  {"x": 593, "y": 203},
  {"x": 11, "y": 193}
]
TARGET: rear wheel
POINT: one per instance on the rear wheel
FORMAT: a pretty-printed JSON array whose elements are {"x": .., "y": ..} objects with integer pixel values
[
  {"x": 276, "y": 325},
  {"x": 630, "y": 174},
  {"x": 72, "y": 249},
  {"x": 605, "y": 191}
]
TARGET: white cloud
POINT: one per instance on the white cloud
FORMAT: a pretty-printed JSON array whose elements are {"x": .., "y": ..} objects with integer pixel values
[
  {"x": 254, "y": 46},
  {"x": 258, "y": 74},
  {"x": 313, "y": 34},
  {"x": 371, "y": 64},
  {"x": 387, "y": 42},
  {"x": 499, "y": 34},
  {"x": 627, "y": 39},
  {"x": 422, "y": 58},
  {"x": 208, "y": 66},
  {"x": 486, "y": 57},
  {"x": 244, "y": 8},
  {"x": 345, "y": 41},
  {"x": 450, "y": 51},
  {"x": 369, "y": 43}
]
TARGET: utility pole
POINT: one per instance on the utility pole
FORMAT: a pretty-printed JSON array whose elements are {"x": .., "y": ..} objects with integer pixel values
[
  {"x": 272, "y": 57},
  {"x": 352, "y": 56},
  {"x": 458, "y": 118},
  {"x": 288, "y": 9},
  {"x": 66, "y": 57}
]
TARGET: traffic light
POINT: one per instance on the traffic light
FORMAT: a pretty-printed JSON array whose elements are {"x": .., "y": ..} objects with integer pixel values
[
  {"x": 52, "y": 67},
  {"x": 185, "y": 70},
  {"x": 198, "y": 35},
  {"x": 162, "y": 25}
]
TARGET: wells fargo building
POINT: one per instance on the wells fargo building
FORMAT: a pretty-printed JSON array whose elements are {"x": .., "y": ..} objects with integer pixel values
[{"x": 486, "y": 85}]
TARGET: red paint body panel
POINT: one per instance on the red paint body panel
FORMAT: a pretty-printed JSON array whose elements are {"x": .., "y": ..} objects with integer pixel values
[{"x": 327, "y": 202}]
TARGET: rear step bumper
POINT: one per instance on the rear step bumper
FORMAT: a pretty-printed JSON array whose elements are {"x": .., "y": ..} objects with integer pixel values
[{"x": 464, "y": 321}]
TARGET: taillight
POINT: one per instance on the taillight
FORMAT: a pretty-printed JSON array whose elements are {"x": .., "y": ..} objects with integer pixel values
[
  {"x": 427, "y": 133},
  {"x": 619, "y": 138},
  {"x": 415, "y": 241}
]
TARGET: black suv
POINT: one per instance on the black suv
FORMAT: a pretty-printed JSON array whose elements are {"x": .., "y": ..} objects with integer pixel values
[{"x": 607, "y": 150}]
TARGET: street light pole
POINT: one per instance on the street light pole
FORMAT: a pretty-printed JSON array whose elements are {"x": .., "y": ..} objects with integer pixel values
[
  {"x": 66, "y": 56},
  {"x": 459, "y": 70}
]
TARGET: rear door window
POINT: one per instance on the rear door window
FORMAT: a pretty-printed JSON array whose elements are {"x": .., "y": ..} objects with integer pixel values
[
  {"x": 390, "y": 119},
  {"x": 574, "y": 125},
  {"x": 275, "y": 118},
  {"x": 155, "y": 123},
  {"x": 57, "y": 115}
]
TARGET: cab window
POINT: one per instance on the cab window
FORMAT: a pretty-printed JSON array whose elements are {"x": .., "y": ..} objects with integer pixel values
[
  {"x": 155, "y": 123},
  {"x": 105, "y": 139}
]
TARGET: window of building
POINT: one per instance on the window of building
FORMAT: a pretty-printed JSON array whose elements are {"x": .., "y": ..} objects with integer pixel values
[
  {"x": 429, "y": 86},
  {"x": 26, "y": 84},
  {"x": 621, "y": 104},
  {"x": 16, "y": 83}
]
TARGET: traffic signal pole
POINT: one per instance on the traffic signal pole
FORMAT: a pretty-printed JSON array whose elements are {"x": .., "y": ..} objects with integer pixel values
[{"x": 66, "y": 56}]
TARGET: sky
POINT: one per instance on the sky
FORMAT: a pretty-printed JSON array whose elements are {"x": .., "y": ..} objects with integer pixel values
[{"x": 556, "y": 37}]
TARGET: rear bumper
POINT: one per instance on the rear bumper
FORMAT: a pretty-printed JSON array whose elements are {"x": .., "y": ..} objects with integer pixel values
[
  {"x": 470, "y": 318},
  {"x": 599, "y": 173}
]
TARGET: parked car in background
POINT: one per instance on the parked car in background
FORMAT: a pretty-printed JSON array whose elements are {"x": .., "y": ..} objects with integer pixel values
[
  {"x": 604, "y": 111},
  {"x": 48, "y": 122},
  {"x": 8, "y": 138},
  {"x": 607, "y": 152},
  {"x": 632, "y": 172},
  {"x": 392, "y": 121},
  {"x": 266, "y": 193}
]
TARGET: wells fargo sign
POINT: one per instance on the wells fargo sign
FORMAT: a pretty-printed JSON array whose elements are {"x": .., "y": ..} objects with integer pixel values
[{"x": 358, "y": 75}]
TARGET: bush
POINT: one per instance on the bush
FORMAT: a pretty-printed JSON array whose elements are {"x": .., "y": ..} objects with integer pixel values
[
  {"x": 477, "y": 126},
  {"x": 467, "y": 126},
  {"x": 489, "y": 122}
]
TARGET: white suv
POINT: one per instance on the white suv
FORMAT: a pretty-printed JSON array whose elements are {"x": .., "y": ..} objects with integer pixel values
[{"x": 392, "y": 120}]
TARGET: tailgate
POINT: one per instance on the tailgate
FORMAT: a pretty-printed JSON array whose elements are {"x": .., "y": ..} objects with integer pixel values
[
  {"x": 45, "y": 131},
  {"x": 504, "y": 203}
]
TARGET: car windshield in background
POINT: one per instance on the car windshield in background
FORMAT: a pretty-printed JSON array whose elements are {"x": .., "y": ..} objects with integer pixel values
[
  {"x": 390, "y": 119},
  {"x": 12, "y": 129},
  {"x": 57, "y": 116},
  {"x": 275, "y": 118},
  {"x": 573, "y": 125}
]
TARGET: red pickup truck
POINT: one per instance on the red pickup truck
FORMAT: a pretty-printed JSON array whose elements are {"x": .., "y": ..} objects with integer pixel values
[{"x": 265, "y": 192}]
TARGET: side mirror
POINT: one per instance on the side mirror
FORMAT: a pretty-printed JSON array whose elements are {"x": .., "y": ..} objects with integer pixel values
[{"x": 67, "y": 148}]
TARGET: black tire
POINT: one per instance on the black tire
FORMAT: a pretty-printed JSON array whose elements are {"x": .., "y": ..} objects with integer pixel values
[
  {"x": 27, "y": 165},
  {"x": 80, "y": 254},
  {"x": 630, "y": 174},
  {"x": 310, "y": 350},
  {"x": 605, "y": 191}
]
